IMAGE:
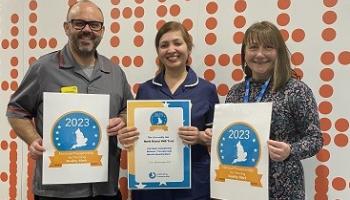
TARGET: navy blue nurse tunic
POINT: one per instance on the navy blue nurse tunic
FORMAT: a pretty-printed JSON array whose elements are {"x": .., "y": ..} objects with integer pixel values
[{"x": 203, "y": 97}]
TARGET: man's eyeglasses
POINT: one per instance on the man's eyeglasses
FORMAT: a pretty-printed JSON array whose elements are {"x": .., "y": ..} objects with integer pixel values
[{"x": 80, "y": 24}]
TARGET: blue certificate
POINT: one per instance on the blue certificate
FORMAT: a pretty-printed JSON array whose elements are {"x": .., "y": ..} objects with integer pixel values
[{"x": 159, "y": 159}]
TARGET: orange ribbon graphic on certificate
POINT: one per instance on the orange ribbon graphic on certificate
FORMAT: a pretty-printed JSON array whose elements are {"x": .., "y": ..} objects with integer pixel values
[
  {"x": 249, "y": 174},
  {"x": 75, "y": 157}
]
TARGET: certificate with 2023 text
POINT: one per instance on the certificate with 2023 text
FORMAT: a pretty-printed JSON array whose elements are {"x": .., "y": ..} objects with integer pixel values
[{"x": 159, "y": 158}]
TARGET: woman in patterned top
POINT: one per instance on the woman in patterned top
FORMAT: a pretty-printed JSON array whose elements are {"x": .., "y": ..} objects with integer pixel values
[{"x": 295, "y": 128}]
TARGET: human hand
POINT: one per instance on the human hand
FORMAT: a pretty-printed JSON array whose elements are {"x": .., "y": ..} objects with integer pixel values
[
  {"x": 189, "y": 134},
  {"x": 114, "y": 125},
  {"x": 279, "y": 151},
  {"x": 127, "y": 137},
  {"x": 36, "y": 148},
  {"x": 205, "y": 136}
]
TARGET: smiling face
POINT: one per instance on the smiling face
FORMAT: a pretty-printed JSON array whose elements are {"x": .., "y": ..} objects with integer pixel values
[
  {"x": 261, "y": 59},
  {"x": 84, "y": 42},
  {"x": 173, "y": 51}
]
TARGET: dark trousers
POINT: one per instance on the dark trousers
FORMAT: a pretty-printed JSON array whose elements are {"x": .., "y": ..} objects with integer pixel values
[{"x": 117, "y": 197}]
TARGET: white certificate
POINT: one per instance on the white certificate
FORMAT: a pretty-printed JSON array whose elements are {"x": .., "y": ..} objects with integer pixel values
[
  {"x": 239, "y": 154},
  {"x": 159, "y": 159},
  {"x": 75, "y": 138}
]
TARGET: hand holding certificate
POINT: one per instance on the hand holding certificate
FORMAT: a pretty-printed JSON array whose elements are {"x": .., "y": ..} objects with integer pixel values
[{"x": 159, "y": 158}]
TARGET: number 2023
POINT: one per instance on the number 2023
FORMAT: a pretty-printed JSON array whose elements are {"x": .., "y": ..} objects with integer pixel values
[
  {"x": 77, "y": 122},
  {"x": 239, "y": 134}
]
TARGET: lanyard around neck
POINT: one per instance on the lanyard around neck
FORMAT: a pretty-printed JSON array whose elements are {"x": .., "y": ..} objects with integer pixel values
[{"x": 261, "y": 93}]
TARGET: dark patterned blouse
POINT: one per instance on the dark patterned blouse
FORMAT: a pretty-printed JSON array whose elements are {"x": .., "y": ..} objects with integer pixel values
[{"x": 295, "y": 121}]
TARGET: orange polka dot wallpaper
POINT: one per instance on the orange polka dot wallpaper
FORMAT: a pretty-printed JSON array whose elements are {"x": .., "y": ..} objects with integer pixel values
[{"x": 316, "y": 32}]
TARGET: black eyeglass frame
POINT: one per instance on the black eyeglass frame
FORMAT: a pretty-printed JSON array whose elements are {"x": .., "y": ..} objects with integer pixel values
[{"x": 90, "y": 23}]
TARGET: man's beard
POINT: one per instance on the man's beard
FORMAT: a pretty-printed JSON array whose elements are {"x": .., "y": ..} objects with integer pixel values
[{"x": 84, "y": 51}]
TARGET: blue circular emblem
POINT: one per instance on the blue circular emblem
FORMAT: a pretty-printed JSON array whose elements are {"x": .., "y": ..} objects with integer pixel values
[
  {"x": 76, "y": 131},
  {"x": 239, "y": 145},
  {"x": 158, "y": 118}
]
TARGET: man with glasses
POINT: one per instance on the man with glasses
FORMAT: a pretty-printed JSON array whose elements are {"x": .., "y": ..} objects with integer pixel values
[{"x": 77, "y": 68}]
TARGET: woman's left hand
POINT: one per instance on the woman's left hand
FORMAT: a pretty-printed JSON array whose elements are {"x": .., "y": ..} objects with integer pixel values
[
  {"x": 189, "y": 134},
  {"x": 279, "y": 151}
]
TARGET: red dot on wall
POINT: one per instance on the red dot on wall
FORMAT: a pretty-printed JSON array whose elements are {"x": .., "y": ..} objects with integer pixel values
[
  {"x": 329, "y": 3},
  {"x": 341, "y": 140},
  {"x": 344, "y": 58},
  {"x": 210, "y": 38},
  {"x": 209, "y": 60},
  {"x": 115, "y": 13},
  {"x": 115, "y": 2},
  {"x": 135, "y": 88},
  {"x": 31, "y": 60},
  {"x": 139, "y": 12},
  {"x": 126, "y": 61},
  {"x": 14, "y": 85},
  {"x": 42, "y": 43},
  {"x": 175, "y": 10},
  {"x": 127, "y": 12},
  {"x": 211, "y": 23},
  {"x": 329, "y": 17},
  {"x": 297, "y": 58},
  {"x": 33, "y": 5},
  {"x": 14, "y": 44},
  {"x": 32, "y": 30},
  {"x": 342, "y": 125},
  {"x": 115, "y": 41},
  {"x": 285, "y": 34},
  {"x": 237, "y": 74},
  {"x": 138, "y": 40},
  {"x": 321, "y": 186},
  {"x": 13, "y": 134},
  {"x": 222, "y": 89},
  {"x": 283, "y": 4},
  {"x": 325, "y": 124},
  {"x": 3, "y": 176},
  {"x": 5, "y": 85},
  {"x": 329, "y": 34},
  {"x": 14, "y": 73},
  {"x": 212, "y": 7},
  {"x": 322, "y": 171},
  {"x": 14, "y": 31},
  {"x": 14, "y": 18},
  {"x": 33, "y": 18},
  {"x": 240, "y": 6},
  {"x": 339, "y": 183},
  {"x": 323, "y": 155},
  {"x": 326, "y": 91},
  {"x": 5, "y": 43},
  {"x": 327, "y": 58},
  {"x": 52, "y": 43},
  {"x": 115, "y": 27},
  {"x": 326, "y": 138},
  {"x": 325, "y": 107},
  {"x": 138, "y": 61},
  {"x": 138, "y": 26},
  {"x": 239, "y": 21},
  {"x": 283, "y": 19},
  {"x": 14, "y": 61},
  {"x": 139, "y": 1},
  {"x": 4, "y": 145},
  {"x": 299, "y": 72},
  {"x": 224, "y": 59},
  {"x": 238, "y": 37},
  {"x": 209, "y": 74},
  {"x": 236, "y": 59},
  {"x": 298, "y": 35},
  {"x": 188, "y": 24},
  {"x": 327, "y": 74},
  {"x": 115, "y": 59},
  {"x": 32, "y": 43},
  {"x": 161, "y": 11},
  {"x": 160, "y": 23}
]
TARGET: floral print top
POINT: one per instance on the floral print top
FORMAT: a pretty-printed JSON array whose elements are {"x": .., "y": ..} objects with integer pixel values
[{"x": 295, "y": 121}]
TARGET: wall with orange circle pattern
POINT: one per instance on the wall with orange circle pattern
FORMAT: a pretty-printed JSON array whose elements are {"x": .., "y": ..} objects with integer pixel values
[{"x": 317, "y": 33}]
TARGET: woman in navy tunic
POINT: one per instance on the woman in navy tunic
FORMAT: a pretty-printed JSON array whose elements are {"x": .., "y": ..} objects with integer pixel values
[{"x": 176, "y": 80}]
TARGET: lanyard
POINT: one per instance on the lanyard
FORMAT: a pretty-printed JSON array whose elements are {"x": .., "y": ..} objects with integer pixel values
[{"x": 261, "y": 93}]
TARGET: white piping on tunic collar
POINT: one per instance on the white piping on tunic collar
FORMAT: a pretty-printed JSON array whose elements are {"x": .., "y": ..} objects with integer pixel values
[
  {"x": 189, "y": 85},
  {"x": 193, "y": 84},
  {"x": 156, "y": 83}
]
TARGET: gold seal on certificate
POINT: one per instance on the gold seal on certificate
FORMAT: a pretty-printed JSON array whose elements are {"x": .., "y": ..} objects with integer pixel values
[{"x": 159, "y": 159}]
